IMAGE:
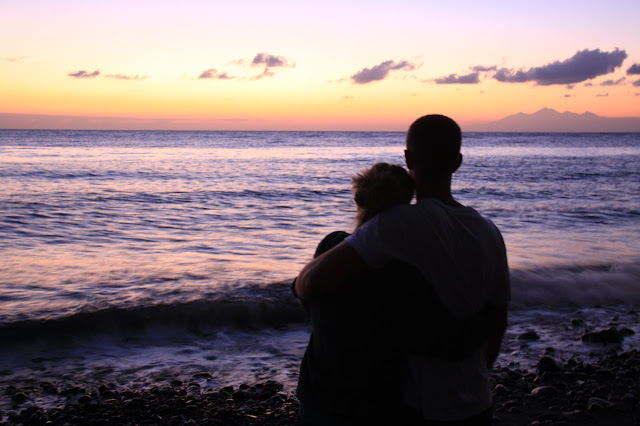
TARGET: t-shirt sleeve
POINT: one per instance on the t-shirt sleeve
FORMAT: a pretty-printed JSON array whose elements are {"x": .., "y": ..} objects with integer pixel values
[
  {"x": 380, "y": 239},
  {"x": 502, "y": 280}
]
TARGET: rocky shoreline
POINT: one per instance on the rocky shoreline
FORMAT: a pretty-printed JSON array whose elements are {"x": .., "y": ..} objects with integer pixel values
[
  {"x": 174, "y": 404},
  {"x": 603, "y": 391}
]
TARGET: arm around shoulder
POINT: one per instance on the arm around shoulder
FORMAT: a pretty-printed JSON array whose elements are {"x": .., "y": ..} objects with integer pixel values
[{"x": 328, "y": 271}]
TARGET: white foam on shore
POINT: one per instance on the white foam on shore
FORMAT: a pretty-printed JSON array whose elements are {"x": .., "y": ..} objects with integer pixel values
[{"x": 577, "y": 286}]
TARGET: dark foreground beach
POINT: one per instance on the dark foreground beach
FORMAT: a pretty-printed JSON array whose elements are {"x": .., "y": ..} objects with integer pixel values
[{"x": 605, "y": 391}]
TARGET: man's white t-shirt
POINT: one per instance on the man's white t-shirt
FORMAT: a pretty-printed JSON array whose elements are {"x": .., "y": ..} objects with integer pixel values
[{"x": 463, "y": 256}]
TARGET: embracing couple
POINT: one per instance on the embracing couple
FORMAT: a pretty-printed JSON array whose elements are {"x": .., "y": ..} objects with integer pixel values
[{"x": 409, "y": 311}]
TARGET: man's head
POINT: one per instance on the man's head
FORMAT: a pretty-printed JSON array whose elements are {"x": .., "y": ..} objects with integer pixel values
[{"x": 433, "y": 148}]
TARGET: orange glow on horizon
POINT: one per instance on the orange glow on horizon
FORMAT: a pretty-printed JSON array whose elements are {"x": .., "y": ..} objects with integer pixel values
[{"x": 147, "y": 63}]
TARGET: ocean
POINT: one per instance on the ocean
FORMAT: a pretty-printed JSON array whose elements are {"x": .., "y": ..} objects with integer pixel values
[{"x": 136, "y": 258}]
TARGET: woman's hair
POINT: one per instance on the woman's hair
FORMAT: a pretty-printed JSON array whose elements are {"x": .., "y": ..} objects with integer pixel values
[{"x": 380, "y": 187}]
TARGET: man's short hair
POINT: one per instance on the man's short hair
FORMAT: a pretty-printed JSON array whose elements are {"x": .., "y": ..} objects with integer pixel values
[{"x": 434, "y": 141}]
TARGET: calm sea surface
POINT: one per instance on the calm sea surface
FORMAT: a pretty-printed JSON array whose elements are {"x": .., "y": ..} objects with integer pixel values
[{"x": 170, "y": 251}]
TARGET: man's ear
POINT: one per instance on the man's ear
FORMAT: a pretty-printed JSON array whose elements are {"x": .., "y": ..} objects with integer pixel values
[
  {"x": 408, "y": 158},
  {"x": 457, "y": 163}
]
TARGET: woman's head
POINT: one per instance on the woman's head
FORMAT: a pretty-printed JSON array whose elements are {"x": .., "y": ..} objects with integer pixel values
[{"x": 380, "y": 187}]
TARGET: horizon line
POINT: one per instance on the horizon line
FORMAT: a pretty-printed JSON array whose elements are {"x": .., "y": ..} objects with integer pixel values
[{"x": 295, "y": 131}]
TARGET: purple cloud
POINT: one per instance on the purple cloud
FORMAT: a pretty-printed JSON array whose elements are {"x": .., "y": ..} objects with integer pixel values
[
  {"x": 480, "y": 68},
  {"x": 84, "y": 74},
  {"x": 570, "y": 86},
  {"x": 602, "y": 95},
  {"x": 636, "y": 83},
  {"x": 126, "y": 77},
  {"x": 212, "y": 73},
  {"x": 473, "y": 78},
  {"x": 613, "y": 82},
  {"x": 380, "y": 71},
  {"x": 569, "y": 96},
  {"x": 271, "y": 61},
  {"x": 584, "y": 65},
  {"x": 634, "y": 69},
  {"x": 266, "y": 73}
]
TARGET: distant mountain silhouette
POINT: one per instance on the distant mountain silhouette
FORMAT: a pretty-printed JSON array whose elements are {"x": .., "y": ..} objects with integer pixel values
[{"x": 550, "y": 120}]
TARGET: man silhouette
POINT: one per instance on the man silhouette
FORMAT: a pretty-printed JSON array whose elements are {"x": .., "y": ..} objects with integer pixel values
[{"x": 459, "y": 252}]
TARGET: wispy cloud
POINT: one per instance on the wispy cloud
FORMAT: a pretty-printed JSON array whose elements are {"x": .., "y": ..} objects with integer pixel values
[
  {"x": 126, "y": 77},
  {"x": 567, "y": 95},
  {"x": 473, "y": 78},
  {"x": 380, "y": 71},
  {"x": 636, "y": 83},
  {"x": 613, "y": 82},
  {"x": 84, "y": 74},
  {"x": 584, "y": 65},
  {"x": 602, "y": 95},
  {"x": 212, "y": 73},
  {"x": 570, "y": 86},
  {"x": 634, "y": 69},
  {"x": 271, "y": 61},
  {"x": 347, "y": 97},
  {"x": 266, "y": 73},
  {"x": 14, "y": 59},
  {"x": 588, "y": 84},
  {"x": 480, "y": 68}
]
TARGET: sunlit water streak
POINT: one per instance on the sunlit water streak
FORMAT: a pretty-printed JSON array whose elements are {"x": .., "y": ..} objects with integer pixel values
[{"x": 116, "y": 222}]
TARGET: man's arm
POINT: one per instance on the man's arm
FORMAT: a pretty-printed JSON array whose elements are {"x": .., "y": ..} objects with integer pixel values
[
  {"x": 328, "y": 271},
  {"x": 491, "y": 349}
]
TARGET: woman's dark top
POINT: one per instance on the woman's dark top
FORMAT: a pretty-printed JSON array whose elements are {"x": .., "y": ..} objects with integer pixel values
[{"x": 354, "y": 364}]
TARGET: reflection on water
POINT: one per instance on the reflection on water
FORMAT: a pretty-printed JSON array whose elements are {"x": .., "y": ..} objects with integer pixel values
[{"x": 109, "y": 218}]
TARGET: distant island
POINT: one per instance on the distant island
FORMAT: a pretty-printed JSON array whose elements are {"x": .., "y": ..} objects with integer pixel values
[
  {"x": 545, "y": 120},
  {"x": 550, "y": 120}
]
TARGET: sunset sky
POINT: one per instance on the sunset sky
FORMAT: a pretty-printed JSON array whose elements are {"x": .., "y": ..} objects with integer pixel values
[{"x": 352, "y": 65}]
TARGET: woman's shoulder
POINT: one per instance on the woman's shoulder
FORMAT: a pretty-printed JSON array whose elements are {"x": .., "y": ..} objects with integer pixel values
[{"x": 330, "y": 241}]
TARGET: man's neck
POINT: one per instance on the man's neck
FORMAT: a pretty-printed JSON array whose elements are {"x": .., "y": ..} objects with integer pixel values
[{"x": 441, "y": 191}]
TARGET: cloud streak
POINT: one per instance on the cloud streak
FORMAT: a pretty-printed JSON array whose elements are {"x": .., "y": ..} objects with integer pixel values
[
  {"x": 270, "y": 61},
  {"x": 84, "y": 74},
  {"x": 480, "y": 68},
  {"x": 14, "y": 59},
  {"x": 473, "y": 78},
  {"x": 584, "y": 65},
  {"x": 126, "y": 77},
  {"x": 266, "y": 73},
  {"x": 212, "y": 73},
  {"x": 613, "y": 82},
  {"x": 380, "y": 71},
  {"x": 634, "y": 69}
]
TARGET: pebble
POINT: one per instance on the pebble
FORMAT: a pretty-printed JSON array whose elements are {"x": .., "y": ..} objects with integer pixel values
[
  {"x": 501, "y": 389},
  {"x": 603, "y": 337},
  {"x": 602, "y": 403},
  {"x": 529, "y": 335},
  {"x": 543, "y": 391},
  {"x": 547, "y": 364}
]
